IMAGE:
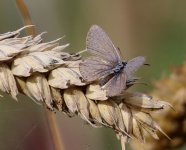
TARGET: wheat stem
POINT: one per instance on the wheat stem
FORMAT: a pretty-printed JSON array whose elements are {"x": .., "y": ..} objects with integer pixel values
[
  {"x": 52, "y": 124},
  {"x": 54, "y": 130},
  {"x": 26, "y": 16}
]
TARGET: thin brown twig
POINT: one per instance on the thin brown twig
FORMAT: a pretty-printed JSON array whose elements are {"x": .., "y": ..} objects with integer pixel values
[
  {"x": 26, "y": 16},
  {"x": 53, "y": 127},
  {"x": 54, "y": 130}
]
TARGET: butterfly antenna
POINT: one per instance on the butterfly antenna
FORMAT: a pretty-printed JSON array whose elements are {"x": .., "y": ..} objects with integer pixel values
[
  {"x": 147, "y": 64},
  {"x": 131, "y": 83},
  {"x": 143, "y": 83}
]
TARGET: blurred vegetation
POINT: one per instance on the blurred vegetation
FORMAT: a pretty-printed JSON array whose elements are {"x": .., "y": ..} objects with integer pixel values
[{"x": 155, "y": 29}]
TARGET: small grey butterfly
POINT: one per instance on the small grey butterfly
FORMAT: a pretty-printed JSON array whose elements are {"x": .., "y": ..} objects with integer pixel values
[{"x": 105, "y": 65}]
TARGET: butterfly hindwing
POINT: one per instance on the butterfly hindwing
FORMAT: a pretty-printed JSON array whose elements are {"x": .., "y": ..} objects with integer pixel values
[
  {"x": 115, "y": 85},
  {"x": 133, "y": 65}
]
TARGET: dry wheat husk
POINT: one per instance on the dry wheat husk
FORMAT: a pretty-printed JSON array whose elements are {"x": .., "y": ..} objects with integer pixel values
[
  {"x": 47, "y": 74},
  {"x": 172, "y": 89}
]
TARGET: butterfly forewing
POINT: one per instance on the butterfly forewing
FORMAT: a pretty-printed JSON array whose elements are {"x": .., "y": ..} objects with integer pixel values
[
  {"x": 98, "y": 43},
  {"x": 94, "y": 68},
  {"x": 133, "y": 65},
  {"x": 115, "y": 85}
]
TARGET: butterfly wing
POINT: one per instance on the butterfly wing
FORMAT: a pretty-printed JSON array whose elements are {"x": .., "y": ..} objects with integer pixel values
[
  {"x": 99, "y": 44},
  {"x": 133, "y": 65},
  {"x": 115, "y": 85},
  {"x": 106, "y": 57},
  {"x": 94, "y": 68},
  {"x": 104, "y": 80}
]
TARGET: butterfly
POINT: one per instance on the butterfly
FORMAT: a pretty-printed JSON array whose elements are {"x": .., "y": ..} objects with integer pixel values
[{"x": 105, "y": 65}]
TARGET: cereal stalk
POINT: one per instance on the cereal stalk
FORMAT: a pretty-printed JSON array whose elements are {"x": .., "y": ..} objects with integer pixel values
[{"x": 54, "y": 130}]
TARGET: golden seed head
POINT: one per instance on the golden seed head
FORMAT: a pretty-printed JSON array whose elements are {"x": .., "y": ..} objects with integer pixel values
[{"x": 45, "y": 73}]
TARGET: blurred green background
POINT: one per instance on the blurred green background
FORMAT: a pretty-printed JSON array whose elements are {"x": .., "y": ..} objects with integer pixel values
[{"x": 155, "y": 29}]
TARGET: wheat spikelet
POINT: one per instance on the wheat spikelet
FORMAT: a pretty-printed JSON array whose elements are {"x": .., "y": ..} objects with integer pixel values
[
  {"x": 172, "y": 122},
  {"x": 46, "y": 74}
]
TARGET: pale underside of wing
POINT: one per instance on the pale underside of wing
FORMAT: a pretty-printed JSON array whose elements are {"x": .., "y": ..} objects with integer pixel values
[
  {"x": 115, "y": 85},
  {"x": 133, "y": 65},
  {"x": 104, "y": 80},
  {"x": 99, "y": 44},
  {"x": 94, "y": 68}
]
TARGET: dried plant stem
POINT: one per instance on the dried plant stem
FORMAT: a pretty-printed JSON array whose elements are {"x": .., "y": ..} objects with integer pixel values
[
  {"x": 52, "y": 124},
  {"x": 123, "y": 142},
  {"x": 26, "y": 16},
  {"x": 123, "y": 146},
  {"x": 54, "y": 130}
]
